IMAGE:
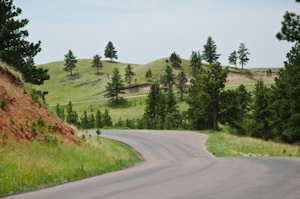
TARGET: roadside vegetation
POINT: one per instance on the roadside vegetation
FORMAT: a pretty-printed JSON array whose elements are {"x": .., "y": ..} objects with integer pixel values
[
  {"x": 29, "y": 165},
  {"x": 224, "y": 144}
]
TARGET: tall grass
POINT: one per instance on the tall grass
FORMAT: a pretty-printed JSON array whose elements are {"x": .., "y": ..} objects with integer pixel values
[
  {"x": 223, "y": 144},
  {"x": 25, "y": 165}
]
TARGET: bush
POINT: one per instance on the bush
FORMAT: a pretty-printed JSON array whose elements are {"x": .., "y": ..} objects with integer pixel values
[
  {"x": 98, "y": 132},
  {"x": 2, "y": 102}
]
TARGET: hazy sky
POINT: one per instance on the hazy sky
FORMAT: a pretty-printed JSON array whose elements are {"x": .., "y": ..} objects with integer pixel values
[{"x": 146, "y": 30}]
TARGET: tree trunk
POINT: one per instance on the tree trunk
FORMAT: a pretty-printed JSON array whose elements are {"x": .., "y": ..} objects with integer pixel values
[
  {"x": 181, "y": 92},
  {"x": 242, "y": 66},
  {"x": 216, "y": 117},
  {"x": 71, "y": 72}
]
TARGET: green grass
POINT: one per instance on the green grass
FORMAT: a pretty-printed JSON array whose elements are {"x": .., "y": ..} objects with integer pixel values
[
  {"x": 133, "y": 108},
  {"x": 222, "y": 144},
  {"x": 25, "y": 166},
  {"x": 63, "y": 88}
]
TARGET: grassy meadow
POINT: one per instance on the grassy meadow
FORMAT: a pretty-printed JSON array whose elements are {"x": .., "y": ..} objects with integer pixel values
[
  {"x": 223, "y": 144},
  {"x": 86, "y": 84},
  {"x": 25, "y": 166}
]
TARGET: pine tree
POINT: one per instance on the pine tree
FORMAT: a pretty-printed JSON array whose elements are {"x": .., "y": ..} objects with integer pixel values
[
  {"x": 60, "y": 112},
  {"x": 110, "y": 51},
  {"x": 115, "y": 87},
  {"x": 91, "y": 123},
  {"x": 84, "y": 121},
  {"x": 97, "y": 62},
  {"x": 148, "y": 75},
  {"x": 260, "y": 127},
  {"x": 14, "y": 49},
  {"x": 72, "y": 116},
  {"x": 210, "y": 51},
  {"x": 168, "y": 77},
  {"x": 181, "y": 83},
  {"x": 98, "y": 123},
  {"x": 205, "y": 97},
  {"x": 155, "y": 107},
  {"x": 129, "y": 74},
  {"x": 175, "y": 60},
  {"x": 70, "y": 62},
  {"x": 233, "y": 57},
  {"x": 106, "y": 119},
  {"x": 195, "y": 61},
  {"x": 290, "y": 28},
  {"x": 243, "y": 55}
]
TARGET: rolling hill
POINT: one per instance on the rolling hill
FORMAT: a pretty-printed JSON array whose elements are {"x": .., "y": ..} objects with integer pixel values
[{"x": 87, "y": 85}]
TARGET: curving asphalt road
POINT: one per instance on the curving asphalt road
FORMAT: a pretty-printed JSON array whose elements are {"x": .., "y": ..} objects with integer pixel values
[{"x": 177, "y": 166}]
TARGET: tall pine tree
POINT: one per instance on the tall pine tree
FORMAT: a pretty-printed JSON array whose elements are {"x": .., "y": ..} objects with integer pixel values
[
  {"x": 110, "y": 51},
  {"x": 115, "y": 87},
  {"x": 14, "y": 49},
  {"x": 210, "y": 51},
  {"x": 70, "y": 62}
]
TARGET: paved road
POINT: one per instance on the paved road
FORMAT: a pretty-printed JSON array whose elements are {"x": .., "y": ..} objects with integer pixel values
[{"x": 177, "y": 166}]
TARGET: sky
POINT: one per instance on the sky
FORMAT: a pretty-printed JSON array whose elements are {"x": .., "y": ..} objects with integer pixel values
[{"x": 145, "y": 30}]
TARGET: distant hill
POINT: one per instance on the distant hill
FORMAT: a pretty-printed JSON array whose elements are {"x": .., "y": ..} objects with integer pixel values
[{"x": 86, "y": 84}]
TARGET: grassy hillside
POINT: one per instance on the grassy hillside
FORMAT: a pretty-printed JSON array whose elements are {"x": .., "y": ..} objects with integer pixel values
[
  {"x": 25, "y": 166},
  {"x": 37, "y": 149},
  {"x": 87, "y": 85}
]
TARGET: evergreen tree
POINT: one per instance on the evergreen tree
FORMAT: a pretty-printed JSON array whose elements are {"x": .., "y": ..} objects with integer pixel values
[
  {"x": 290, "y": 28},
  {"x": 243, "y": 55},
  {"x": 233, "y": 57},
  {"x": 110, "y": 51},
  {"x": 106, "y": 119},
  {"x": 115, "y": 87},
  {"x": 60, "y": 112},
  {"x": 243, "y": 99},
  {"x": 155, "y": 107},
  {"x": 72, "y": 116},
  {"x": 129, "y": 74},
  {"x": 98, "y": 123},
  {"x": 14, "y": 49},
  {"x": 172, "y": 109},
  {"x": 91, "y": 121},
  {"x": 175, "y": 60},
  {"x": 168, "y": 77},
  {"x": 70, "y": 62},
  {"x": 205, "y": 97},
  {"x": 97, "y": 62},
  {"x": 260, "y": 126},
  {"x": 210, "y": 51},
  {"x": 148, "y": 75},
  {"x": 195, "y": 61},
  {"x": 84, "y": 121},
  {"x": 181, "y": 83}
]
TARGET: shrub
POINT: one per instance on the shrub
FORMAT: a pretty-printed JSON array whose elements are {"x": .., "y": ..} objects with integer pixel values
[
  {"x": 2, "y": 102},
  {"x": 41, "y": 122},
  {"x": 98, "y": 132}
]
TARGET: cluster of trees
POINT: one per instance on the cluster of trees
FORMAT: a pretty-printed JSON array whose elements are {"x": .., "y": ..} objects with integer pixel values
[
  {"x": 109, "y": 52},
  {"x": 241, "y": 55},
  {"x": 86, "y": 121}
]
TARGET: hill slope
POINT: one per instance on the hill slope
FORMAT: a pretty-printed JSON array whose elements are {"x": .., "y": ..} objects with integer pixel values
[
  {"x": 87, "y": 85},
  {"x": 37, "y": 149},
  {"x": 22, "y": 115}
]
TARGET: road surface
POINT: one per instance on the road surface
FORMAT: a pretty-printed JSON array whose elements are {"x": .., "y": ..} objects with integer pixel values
[{"x": 177, "y": 166}]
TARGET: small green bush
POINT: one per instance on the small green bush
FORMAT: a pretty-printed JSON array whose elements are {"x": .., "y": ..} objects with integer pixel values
[
  {"x": 2, "y": 102},
  {"x": 12, "y": 121},
  {"x": 41, "y": 122}
]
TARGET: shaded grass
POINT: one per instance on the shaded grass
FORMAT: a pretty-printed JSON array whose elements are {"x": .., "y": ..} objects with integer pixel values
[
  {"x": 25, "y": 165},
  {"x": 132, "y": 108},
  {"x": 223, "y": 144}
]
